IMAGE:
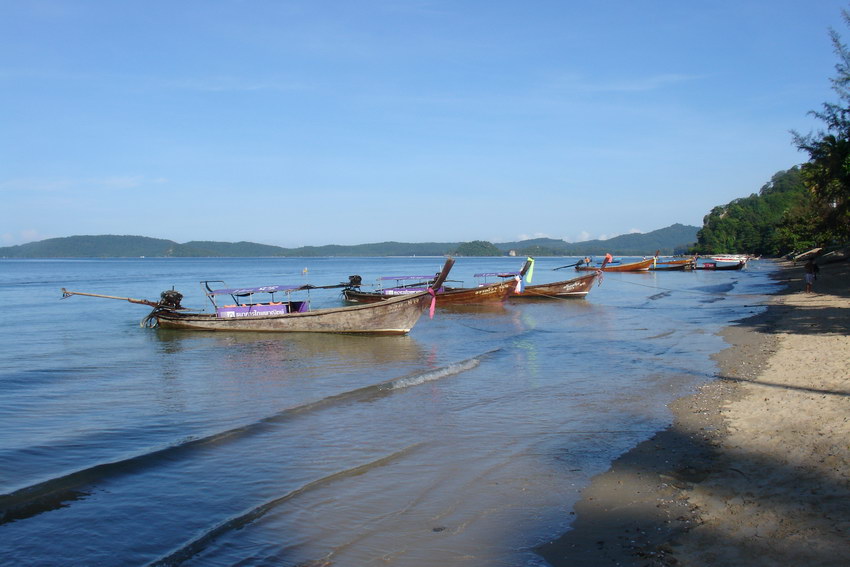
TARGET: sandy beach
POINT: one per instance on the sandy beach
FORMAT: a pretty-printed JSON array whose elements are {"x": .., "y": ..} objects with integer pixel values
[{"x": 755, "y": 469}]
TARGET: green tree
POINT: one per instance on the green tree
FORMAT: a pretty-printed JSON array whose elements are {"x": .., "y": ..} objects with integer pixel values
[
  {"x": 827, "y": 173},
  {"x": 750, "y": 224}
]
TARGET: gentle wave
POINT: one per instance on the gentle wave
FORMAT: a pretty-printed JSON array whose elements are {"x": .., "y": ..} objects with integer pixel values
[
  {"x": 57, "y": 492},
  {"x": 198, "y": 544},
  {"x": 445, "y": 372}
]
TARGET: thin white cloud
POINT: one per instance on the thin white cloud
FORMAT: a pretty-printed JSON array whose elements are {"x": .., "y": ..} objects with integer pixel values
[{"x": 579, "y": 84}]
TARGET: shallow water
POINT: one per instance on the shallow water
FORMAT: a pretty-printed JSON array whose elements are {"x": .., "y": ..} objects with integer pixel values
[{"x": 465, "y": 442}]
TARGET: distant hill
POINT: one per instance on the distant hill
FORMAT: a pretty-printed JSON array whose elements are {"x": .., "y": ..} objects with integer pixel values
[
  {"x": 674, "y": 239},
  {"x": 670, "y": 240},
  {"x": 92, "y": 247}
]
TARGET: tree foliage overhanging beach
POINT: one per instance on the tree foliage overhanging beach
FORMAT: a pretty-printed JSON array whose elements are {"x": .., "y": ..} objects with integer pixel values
[{"x": 804, "y": 207}]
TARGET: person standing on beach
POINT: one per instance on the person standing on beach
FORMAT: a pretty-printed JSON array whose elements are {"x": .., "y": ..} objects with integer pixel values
[{"x": 811, "y": 268}]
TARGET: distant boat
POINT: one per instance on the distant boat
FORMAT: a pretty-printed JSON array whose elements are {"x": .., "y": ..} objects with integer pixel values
[
  {"x": 674, "y": 265},
  {"x": 396, "y": 316},
  {"x": 718, "y": 267},
  {"x": 641, "y": 266},
  {"x": 730, "y": 258}
]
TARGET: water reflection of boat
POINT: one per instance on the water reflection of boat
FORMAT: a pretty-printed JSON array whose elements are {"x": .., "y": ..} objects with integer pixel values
[
  {"x": 265, "y": 347},
  {"x": 482, "y": 309}
]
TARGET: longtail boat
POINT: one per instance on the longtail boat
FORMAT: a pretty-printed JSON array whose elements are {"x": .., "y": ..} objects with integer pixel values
[
  {"x": 641, "y": 266},
  {"x": 714, "y": 266},
  {"x": 730, "y": 258},
  {"x": 446, "y": 295},
  {"x": 485, "y": 293},
  {"x": 576, "y": 287},
  {"x": 396, "y": 316},
  {"x": 673, "y": 265},
  {"x": 668, "y": 265},
  {"x": 489, "y": 293}
]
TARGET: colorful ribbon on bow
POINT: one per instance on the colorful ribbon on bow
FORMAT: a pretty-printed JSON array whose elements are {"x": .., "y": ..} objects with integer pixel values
[
  {"x": 530, "y": 271},
  {"x": 433, "y": 302}
]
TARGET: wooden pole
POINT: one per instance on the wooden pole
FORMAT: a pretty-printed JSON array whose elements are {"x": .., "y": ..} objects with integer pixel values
[{"x": 66, "y": 294}]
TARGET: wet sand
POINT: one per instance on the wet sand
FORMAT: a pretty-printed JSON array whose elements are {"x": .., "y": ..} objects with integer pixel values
[{"x": 755, "y": 469}]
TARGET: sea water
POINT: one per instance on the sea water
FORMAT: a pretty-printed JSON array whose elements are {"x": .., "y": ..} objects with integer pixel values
[{"x": 466, "y": 442}]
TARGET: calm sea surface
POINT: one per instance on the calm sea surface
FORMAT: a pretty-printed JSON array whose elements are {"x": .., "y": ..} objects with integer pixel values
[{"x": 122, "y": 445}]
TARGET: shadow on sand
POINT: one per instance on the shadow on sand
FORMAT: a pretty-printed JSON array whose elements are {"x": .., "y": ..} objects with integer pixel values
[{"x": 636, "y": 513}]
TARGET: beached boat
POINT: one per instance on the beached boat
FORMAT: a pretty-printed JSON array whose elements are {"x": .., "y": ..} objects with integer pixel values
[
  {"x": 814, "y": 252},
  {"x": 576, "y": 287},
  {"x": 396, "y": 316},
  {"x": 641, "y": 266}
]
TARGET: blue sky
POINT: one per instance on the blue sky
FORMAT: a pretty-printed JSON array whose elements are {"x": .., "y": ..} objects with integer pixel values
[{"x": 346, "y": 122}]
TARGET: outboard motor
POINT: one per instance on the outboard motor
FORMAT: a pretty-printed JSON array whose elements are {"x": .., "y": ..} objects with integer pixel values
[
  {"x": 354, "y": 281},
  {"x": 170, "y": 299}
]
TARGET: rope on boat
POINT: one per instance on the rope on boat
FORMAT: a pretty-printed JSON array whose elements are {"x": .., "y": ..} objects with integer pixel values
[{"x": 151, "y": 321}]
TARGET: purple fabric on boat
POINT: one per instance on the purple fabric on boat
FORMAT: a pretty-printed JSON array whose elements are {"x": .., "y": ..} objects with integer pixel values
[{"x": 262, "y": 289}]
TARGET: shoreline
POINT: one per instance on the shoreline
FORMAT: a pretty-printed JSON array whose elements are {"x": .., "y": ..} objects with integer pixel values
[{"x": 751, "y": 463}]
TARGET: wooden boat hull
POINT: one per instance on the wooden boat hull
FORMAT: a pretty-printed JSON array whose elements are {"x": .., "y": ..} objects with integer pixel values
[
  {"x": 576, "y": 287},
  {"x": 490, "y": 293},
  {"x": 395, "y": 316},
  {"x": 714, "y": 267},
  {"x": 670, "y": 267},
  {"x": 641, "y": 266},
  {"x": 449, "y": 296}
]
